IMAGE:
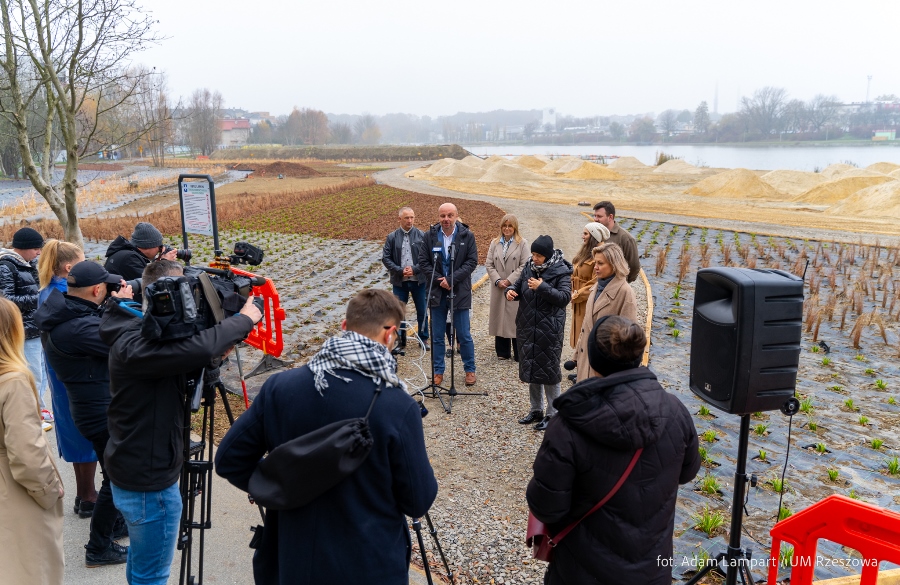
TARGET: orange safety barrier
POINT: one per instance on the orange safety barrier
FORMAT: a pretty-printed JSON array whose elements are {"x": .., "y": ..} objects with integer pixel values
[
  {"x": 873, "y": 531},
  {"x": 266, "y": 337}
]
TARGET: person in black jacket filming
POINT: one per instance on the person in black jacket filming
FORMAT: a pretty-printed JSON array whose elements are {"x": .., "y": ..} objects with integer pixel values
[
  {"x": 129, "y": 257},
  {"x": 148, "y": 379},
  {"x": 588, "y": 447}
]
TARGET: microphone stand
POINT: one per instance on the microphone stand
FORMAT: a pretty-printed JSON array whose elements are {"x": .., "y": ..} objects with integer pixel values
[{"x": 434, "y": 390}]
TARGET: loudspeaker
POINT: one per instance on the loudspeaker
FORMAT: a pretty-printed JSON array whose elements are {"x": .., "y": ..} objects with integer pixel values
[{"x": 745, "y": 339}]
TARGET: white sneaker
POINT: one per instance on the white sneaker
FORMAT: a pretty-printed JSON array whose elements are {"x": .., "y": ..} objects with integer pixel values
[
  {"x": 46, "y": 415},
  {"x": 46, "y": 426}
]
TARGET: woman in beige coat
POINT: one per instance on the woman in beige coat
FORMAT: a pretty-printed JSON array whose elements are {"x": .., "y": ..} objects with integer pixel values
[
  {"x": 506, "y": 257},
  {"x": 610, "y": 295},
  {"x": 583, "y": 277},
  {"x": 31, "y": 491}
]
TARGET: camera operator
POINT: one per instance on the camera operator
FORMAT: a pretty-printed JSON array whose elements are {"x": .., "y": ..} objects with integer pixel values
[
  {"x": 357, "y": 528},
  {"x": 145, "y": 452},
  {"x": 70, "y": 330},
  {"x": 129, "y": 257}
]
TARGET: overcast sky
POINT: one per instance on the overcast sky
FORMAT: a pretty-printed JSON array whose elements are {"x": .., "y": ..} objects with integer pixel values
[{"x": 583, "y": 58}]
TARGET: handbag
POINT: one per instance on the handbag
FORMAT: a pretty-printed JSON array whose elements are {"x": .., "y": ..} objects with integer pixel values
[
  {"x": 542, "y": 542},
  {"x": 297, "y": 472}
]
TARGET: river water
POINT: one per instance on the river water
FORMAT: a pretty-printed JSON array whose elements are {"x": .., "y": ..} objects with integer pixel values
[{"x": 800, "y": 158}]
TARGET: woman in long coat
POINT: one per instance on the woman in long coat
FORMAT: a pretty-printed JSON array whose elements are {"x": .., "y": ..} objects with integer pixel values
[
  {"x": 543, "y": 291},
  {"x": 506, "y": 258},
  {"x": 583, "y": 277},
  {"x": 31, "y": 496},
  {"x": 610, "y": 295}
]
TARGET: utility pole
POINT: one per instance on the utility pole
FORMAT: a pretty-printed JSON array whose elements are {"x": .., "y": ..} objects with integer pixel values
[{"x": 868, "y": 86}]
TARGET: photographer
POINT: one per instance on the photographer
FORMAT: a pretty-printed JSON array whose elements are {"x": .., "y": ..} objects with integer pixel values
[
  {"x": 70, "y": 331},
  {"x": 357, "y": 529},
  {"x": 145, "y": 452},
  {"x": 129, "y": 257}
]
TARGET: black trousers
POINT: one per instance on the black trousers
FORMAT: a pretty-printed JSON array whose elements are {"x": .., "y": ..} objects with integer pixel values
[
  {"x": 105, "y": 512},
  {"x": 501, "y": 346}
]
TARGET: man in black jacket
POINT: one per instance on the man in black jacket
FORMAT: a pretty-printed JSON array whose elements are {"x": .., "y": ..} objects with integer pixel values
[
  {"x": 401, "y": 258},
  {"x": 129, "y": 257},
  {"x": 356, "y": 532},
  {"x": 449, "y": 255},
  {"x": 70, "y": 326},
  {"x": 605, "y": 214},
  {"x": 145, "y": 451}
]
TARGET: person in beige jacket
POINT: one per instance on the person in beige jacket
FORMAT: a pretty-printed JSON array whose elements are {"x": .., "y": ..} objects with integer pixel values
[
  {"x": 506, "y": 257},
  {"x": 31, "y": 491},
  {"x": 610, "y": 295},
  {"x": 583, "y": 277}
]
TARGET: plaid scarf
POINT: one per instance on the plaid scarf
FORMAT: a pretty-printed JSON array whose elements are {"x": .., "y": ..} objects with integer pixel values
[
  {"x": 505, "y": 243},
  {"x": 351, "y": 351},
  {"x": 538, "y": 270}
]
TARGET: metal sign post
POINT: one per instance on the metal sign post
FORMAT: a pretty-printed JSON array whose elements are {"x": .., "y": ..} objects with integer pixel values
[{"x": 197, "y": 199}]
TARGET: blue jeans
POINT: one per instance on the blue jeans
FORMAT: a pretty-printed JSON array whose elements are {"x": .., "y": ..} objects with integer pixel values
[
  {"x": 153, "y": 519},
  {"x": 463, "y": 336},
  {"x": 417, "y": 290},
  {"x": 34, "y": 355}
]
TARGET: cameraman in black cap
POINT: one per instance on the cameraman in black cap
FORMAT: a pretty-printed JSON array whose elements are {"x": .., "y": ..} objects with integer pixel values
[
  {"x": 129, "y": 257},
  {"x": 70, "y": 332},
  {"x": 144, "y": 456}
]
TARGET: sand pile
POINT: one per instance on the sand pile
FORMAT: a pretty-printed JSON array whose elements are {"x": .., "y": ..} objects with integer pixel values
[
  {"x": 572, "y": 165},
  {"x": 676, "y": 166},
  {"x": 440, "y": 165},
  {"x": 460, "y": 170},
  {"x": 473, "y": 161},
  {"x": 507, "y": 172},
  {"x": 530, "y": 162},
  {"x": 895, "y": 174},
  {"x": 287, "y": 169},
  {"x": 735, "y": 184},
  {"x": 862, "y": 173},
  {"x": 558, "y": 163},
  {"x": 793, "y": 182},
  {"x": 494, "y": 159},
  {"x": 837, "y": 190},
  {"x": 627, "y": 162},
  {"x": 876, "y": 201},
  {"x": 833, "y": 170},
  {"x": 884, "y": 167},
  {"x": 593, "y": 171}
]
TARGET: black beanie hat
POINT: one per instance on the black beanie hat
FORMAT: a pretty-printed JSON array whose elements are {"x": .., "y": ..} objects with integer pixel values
[
  {"x": 543, "y": 245},
  {"x": 602, "y": 363},
  {"x": 27, "y": 239},
  {"x": 146, "y": 236}
]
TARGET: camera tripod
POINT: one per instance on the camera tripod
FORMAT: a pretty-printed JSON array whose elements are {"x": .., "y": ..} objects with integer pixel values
[
  {"x": 417, "y": 526},
  {"x": 197, "y": 470}
]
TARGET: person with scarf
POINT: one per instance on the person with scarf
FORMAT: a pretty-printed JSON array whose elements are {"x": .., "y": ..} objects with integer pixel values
[
  {"x": 601, "y": 424},
  {"x": 357, "y": 531},
  {"x": 583, "y": 277},
  {"x": 505, "y": 260},
  {"x": 543, "y": 291},
  {"x": 610, "y": 295}
]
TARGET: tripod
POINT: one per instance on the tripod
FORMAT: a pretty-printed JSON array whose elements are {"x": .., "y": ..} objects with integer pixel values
[
  {"x": 433, "y": 390},
  {"x": 197, "y": 470},
  {"x": 417, "y": 526}
]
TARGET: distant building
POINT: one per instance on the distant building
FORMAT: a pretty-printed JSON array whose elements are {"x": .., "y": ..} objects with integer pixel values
[
  {"x": 882, "y": 135},
  {"x": 235, "y": 132},
  {"x": 257, "y": 117}
]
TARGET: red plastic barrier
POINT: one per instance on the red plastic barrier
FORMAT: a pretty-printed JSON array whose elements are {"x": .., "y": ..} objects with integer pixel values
[
  {"x": 873, "y": 531},
  {"x": 267, "y": 335}
]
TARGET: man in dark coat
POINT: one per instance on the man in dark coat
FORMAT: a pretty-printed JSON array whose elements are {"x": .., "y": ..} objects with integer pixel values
[
  {"x": 605, "y": 214},
  {"x": 70, "y": 326},
  {"x": 601, "y": 423},
  {"x": 401, "y": 258},
  {"x": 129, "y": 257},
  {"x": 450, "y": 238},
  {"x": 355, "y": 532}
]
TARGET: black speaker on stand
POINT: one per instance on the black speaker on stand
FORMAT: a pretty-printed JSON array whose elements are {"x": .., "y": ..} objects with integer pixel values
[{"x": 745, "y": 351}]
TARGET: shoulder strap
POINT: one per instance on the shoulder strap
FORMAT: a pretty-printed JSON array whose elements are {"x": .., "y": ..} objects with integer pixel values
[
  {"x": 374, "y": 398},
  {"x": 562, "y": 534}
]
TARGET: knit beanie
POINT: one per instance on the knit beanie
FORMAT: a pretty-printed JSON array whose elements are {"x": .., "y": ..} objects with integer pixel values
[
  {"x": 146, "y": 236},
  {"x": 27, "y": 239},
  {"x": 543, "y": 245},
  {"x": 598, "y": 231}
]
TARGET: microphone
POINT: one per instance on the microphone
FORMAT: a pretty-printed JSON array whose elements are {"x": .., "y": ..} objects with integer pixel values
[
  {"x": 436, "y": 250},
  {"x": 452, "y": 251}
]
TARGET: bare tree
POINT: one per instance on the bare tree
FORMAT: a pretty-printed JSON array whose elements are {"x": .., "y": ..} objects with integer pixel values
[
  {"x": 765, "y": 108},
  {"x": 155, "y": 111},
  {"x": 795, "y": 116},
  {"x": 204, "y": 113},
  {"x": 341, "y": 133},
  {"x": 292, "y": 127},
  {"x": 313, "y": 126},
  {"x": 616, "y": 130},
  {"x": 366, "y": 129},
  {"x": 72, "y": 56},
  {"x": 701, "y": 119},
  {"x": 822, "y": 110},
  {"x": 668, "y": 122}
]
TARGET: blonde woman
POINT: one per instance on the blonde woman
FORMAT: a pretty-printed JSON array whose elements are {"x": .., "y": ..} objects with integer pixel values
[
  {"x": 31, "y": 501},
  {"x": 583, "y": 277},
  {"x": 506, "y": 257},
  {"x": 56, "y": 260},
  {"x": 610, "y": 295}
]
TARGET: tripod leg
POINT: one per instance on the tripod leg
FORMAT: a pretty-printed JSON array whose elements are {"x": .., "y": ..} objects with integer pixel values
[
  {"x": 437, "y": 543},
  {"x": 228, "y": 413},
  {"x": 417, "y": 526}
]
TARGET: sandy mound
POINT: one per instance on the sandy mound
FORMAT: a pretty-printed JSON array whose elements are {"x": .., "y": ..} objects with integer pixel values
[
  {"x": 881, "y": 167},
  {"x": 570, "y": 166},
  {"x": 677, "y": 166},
  {"x": 875, "y": 201},
  {"x": 839, "y": 189},
  {"x": 530, "y": 162},
  {"x": 460, "y": 170},
  {"x": 439, "y": 165},
  {"x": 473, "y": 161},
  {"x": 861, "y": 173},
  {"x": 895, "y": 174},
  {"x": 558, "y": 163},
  {"x": 735, "y": 184},
  {"x": 506, "y": 172},
  {"x": 793, "y": 182},
  {"x": 833, "y": 170},
  {"x": 627, "y": 162},
  {"x": 494, "y": 159},
  {"x": 593, "y": 171},
  {"x": 288, "y": 169}
]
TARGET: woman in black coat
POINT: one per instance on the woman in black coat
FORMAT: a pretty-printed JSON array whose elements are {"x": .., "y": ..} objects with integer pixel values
[
  {"x": 543, "y": 290},
  {"x": 602, "y": 422}
]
